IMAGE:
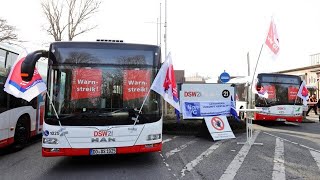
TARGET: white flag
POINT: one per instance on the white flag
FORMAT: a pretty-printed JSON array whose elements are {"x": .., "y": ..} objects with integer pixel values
[
  {"x": 272, "y": 40},
  {"x": 165, "y": 83},
  {"x": 303, "y": 93},
  {"x": 22, "y": 89}
]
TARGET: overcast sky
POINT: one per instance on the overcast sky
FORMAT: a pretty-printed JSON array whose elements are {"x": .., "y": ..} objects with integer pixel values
[{"x": 204, "y": 36}]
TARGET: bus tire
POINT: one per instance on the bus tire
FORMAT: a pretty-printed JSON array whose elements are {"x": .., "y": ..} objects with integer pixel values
[{"x": 22, "y": 133}]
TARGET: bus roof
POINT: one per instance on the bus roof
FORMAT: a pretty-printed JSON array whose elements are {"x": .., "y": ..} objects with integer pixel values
[
  {"x": 98, "y": 43},
  {"x": 11, "y": 48}
]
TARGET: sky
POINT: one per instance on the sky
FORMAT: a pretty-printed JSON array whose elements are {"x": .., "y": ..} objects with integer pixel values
[{"x": 205, "y": 37}]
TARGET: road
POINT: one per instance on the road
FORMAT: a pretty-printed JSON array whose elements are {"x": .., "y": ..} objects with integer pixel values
[{"x": 290, "y": 151}]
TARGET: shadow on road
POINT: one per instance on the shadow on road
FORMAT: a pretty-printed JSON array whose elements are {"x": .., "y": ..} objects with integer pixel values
[
  {"x": 276, "y": 124},
  {"x": 10, "y": 149}
]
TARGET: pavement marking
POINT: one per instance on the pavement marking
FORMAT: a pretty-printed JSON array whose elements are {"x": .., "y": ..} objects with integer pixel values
[
  {"x": 236, "y": 163},
  {"x": 172, "y": 152},
  {"x": 169, "y": 139},
  {"x": 278, "y": 172},
  {"x": 196, "y": 161},
  {"x": 301, "y": 145},
  {"x": 167, "y": 165},
  {"x": 316, "y": 157}
]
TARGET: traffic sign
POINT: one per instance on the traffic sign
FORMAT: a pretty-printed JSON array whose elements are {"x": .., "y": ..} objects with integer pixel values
[{"x": 224, "y": 77}]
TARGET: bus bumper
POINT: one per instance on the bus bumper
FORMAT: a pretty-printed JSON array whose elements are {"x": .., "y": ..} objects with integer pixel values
[
  {"x": 268, "y": 117},
  {"x": 51, "y": 152}
]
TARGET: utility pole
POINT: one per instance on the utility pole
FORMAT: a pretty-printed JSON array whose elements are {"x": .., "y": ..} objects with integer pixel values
[
  {"x": 165, "y": 29},
  {"x": 160, "y": 26},
  {"x": 157, "y": 32},
  {"x": 165, "y": 46}
]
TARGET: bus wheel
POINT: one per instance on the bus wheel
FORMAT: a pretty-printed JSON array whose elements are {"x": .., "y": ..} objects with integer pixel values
[{"x": 21, "y": 135}]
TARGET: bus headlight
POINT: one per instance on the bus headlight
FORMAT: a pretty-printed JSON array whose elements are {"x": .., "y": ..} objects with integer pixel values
[
  {"x": 50, "y": 141},
  {"x": 153, "y": 137}
]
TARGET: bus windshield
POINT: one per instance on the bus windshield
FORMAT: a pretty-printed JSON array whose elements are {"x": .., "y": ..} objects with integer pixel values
[
  {"x": 281, "y": 90},
  {"x": 102, "y": 87}
]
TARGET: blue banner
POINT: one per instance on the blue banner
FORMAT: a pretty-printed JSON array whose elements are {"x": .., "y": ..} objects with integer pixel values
[{"x": 203, "y": 109}]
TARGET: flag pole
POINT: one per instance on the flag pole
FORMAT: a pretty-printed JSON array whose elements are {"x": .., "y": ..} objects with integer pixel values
[
  {"x": 54, "y": 109},
  {"x": 294, "y": 104},
  {"x": 254, "y": 73},
  {"x": 144, "y": 101}
]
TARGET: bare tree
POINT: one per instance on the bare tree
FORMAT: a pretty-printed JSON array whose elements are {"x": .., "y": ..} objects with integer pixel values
[
  {"x": 53, "y": 12},
  {"x": 69, "y": 14},
  {"x": 7, "y": 32}
]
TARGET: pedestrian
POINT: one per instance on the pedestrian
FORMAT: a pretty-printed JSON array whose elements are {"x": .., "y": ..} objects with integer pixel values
[{"x": 312, "y": 104}]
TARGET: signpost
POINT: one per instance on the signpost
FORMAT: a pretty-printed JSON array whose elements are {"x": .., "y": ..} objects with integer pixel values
[{"x": 224, "y": 77}]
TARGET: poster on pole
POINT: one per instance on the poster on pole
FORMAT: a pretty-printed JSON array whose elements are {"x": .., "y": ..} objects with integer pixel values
[
  {"x": 200, "y": 100},
  {"x": 219, "y": 127}
]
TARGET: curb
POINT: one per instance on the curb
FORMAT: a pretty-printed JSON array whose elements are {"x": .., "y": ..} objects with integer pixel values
[{"x": 308, "y": 121}]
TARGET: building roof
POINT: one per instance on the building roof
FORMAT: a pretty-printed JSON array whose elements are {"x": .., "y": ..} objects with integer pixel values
[{"x": 314, "y": 68}]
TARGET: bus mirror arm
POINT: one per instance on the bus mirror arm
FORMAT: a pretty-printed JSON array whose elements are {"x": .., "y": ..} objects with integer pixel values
[{"x": 28, "y": 65}]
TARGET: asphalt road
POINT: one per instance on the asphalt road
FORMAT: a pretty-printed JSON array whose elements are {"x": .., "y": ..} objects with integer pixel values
[{"x": 289, "y": 151}]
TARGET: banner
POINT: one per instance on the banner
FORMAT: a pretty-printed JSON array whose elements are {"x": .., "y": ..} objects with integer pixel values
[
  {"x": 219, "y": 127},
  {"x": 86, "y": 83},
  {"x": 136, "y": 84},
  {"x": 271, "y": 89},
  {"x": 204, "y": 109},
  {"x": 292, "y": 93}
]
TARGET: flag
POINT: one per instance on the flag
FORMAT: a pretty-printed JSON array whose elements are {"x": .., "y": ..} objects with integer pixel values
[
  {"x": 233, "y": 111},
  {"x": 263, "y": 93},
  {"x": 272, "y": 40},
  {"x": 21, "y": 89},
  {"x": 303, "y": 93},
  {"x": 165, "y": 84}
]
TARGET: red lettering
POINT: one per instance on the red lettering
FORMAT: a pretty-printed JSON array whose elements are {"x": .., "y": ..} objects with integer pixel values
[
  {"x": 191, "y": 94},
  {"x": 99, "y": 133}
]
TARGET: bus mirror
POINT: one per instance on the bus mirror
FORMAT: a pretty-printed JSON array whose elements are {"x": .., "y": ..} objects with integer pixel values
[{"x": 28, "y": 65}]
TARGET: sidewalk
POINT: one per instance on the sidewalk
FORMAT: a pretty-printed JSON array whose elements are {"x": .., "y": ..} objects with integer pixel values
[{"x": 312, "y": 118}]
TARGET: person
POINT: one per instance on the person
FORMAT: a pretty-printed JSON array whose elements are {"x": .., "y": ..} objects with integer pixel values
[{"x": 312, "y": 104}]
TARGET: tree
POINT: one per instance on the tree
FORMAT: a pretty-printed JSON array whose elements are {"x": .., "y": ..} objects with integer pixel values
[
  {"x": 7, "y": 32},
  {"x": 70, "y": 15}
]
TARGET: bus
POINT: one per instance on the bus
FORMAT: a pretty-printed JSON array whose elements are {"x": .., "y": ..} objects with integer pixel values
[
  {"x": 19, "y": 119},
  {"x": 279, "y": 102},
  {"x": 95, "y": 91}
]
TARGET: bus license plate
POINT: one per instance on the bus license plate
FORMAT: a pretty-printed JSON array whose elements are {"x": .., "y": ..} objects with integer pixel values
[
  {"x": 103, "y": 151},
  {"x": 280, "y": 119}
]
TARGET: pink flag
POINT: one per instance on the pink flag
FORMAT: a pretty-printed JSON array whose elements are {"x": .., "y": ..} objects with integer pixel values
[
  {"x": 22, "y": 89},
  {"x": 303, "y": 93},
  {"x": 165, "y": 83},
  {"x": 272, "y": 40}
]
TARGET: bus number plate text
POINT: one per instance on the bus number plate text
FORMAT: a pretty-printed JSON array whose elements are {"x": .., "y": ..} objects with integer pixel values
[{"x": 103, "y": 151}]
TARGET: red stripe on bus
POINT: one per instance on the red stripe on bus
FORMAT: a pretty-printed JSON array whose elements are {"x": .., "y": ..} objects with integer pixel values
[
  {"x": 33, "y": 133},
  {"x": 86, "y": 151},
  {"x": 6, "y": 142},
  {"x": 265, "y": 117}
]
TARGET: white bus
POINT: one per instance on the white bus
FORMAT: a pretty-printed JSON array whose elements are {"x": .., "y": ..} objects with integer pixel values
[
  {"x": 95, "y": 90},
  {"x": 280, "y": 102},
  {"x": 19, "y": 119}
]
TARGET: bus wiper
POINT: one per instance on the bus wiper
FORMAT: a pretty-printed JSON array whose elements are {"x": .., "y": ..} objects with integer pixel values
[
  {"x": 81, "y": 114},
  {"x": 132, "y": 113}
]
